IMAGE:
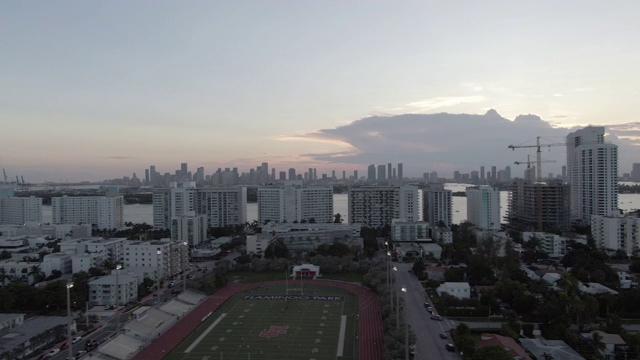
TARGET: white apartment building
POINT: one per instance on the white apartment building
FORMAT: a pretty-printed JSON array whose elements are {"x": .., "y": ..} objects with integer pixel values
[
  {"x": 483, "y": 207},
  {"x": 108, "y": 249},
  {"x": 84, "y": 262},
  {"x": 310, "y": 236},
  {"x": 438, "y": 205},
  {"x": 402, "y": 230},
  {"x": 257, "y": 244},
  {"x": 190, "y": 228},
  {"x": 165, "y": 255},
  {"x": 222, "y": 206},
  {"x": 59, "y": 231},
  {"x": 106, "y": 290},
  {"x": 616, "y": 232},
  {"x": 551, "y": 244},
  {"x": 20, "y": 210},
  {"x": 102, "y": 211},
  {"x": 377, "y": 206},
  {"x": 19, "y": 270},
  {"x": 292, "y": 202},
  {"x": 592, "y": 170},
  {"x": 56, "y": 261},
  {"x": 460, "y": 290}
]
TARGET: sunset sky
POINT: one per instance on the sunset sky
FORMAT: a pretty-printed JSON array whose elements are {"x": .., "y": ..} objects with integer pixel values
[{"x": 101, "y": 89}]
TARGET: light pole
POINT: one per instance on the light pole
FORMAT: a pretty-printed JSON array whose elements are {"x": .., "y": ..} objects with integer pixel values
[
  {"x": 69, "y": 286},
  {"x": 184, "y": 268},
  {"x": 158, "y": 275},
  {"x": 118, "y": 267},
  {"x": 398, "y": 309},
  {"x": 406, "y": 327},
  {"x": 395, "y": 269}
]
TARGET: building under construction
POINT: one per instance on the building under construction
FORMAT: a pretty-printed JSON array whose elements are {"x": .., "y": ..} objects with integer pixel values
[{"x": 524, "y": 213}]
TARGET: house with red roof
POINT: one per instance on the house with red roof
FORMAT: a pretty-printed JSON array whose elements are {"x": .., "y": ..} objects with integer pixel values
[{"x": 511, "y": 346}]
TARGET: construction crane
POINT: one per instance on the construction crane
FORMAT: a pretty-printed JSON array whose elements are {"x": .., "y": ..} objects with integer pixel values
[
  {"x": 538, "y": 146},
  {"x": 528, "y": 162},
  {"x": 5, "y": 176}
]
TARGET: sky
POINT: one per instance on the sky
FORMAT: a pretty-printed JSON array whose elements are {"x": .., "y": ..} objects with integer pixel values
[{"x": 102, "y": 89}]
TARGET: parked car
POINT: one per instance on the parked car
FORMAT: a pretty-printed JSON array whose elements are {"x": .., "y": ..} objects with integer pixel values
[
  {"x": 80, "y": 354},
  {"x": 175, "y": 292},
  {"x": 76, "y": 339},
  {"x": 450, "y": 347},
  {"x": 427, "y": 305},
  {"x": 53, "y": 352},
  {"x": 436, "y": 317},
  {"x": 443, "y": 336},
  {"x": 64, "y": 345}
]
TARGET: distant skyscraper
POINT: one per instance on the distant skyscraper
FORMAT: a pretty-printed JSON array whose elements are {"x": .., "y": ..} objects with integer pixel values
[
  {"x": 355, "y": 174},
  {"x": 389, "y": 171},
  {"x": 482, "y": 173},
  {"x": 635, "y": 172},
  {"x": 283, "y": 175},
  {"x": 382, "y": 173},
  {"x": 494, "y": 173},
  {"x": 146, "y": 176},
  {"x": 292, "y": 174},
  {"x": 184, "y": 169},
  {"x": 371, "y": 173},
  {"x": 400, "y": 173},
  {"x": 592, "y": 167}
]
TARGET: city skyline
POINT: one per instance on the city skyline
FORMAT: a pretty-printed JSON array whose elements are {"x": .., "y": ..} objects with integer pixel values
[{"x": 101, "y": 90}]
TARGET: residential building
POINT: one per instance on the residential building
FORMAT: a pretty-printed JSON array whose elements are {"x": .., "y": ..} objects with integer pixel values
[
  {"x": 377, "y": 206},
  {"x": 592, "y": 171},
  {"x": 291, "y": 202},
  {"x": 165, "y": 255},
  {"x": 104, "y": 212},
  {"x": 460, "y": 290},
  {"x": 257, "y": 244},
  {"x": 56, "y": 261},
  {"x": 20, "y": 210},
  {"x": 552, "y": 244},
  {"x": 191, "y": 229},
  {"x": 222, "y": 206},
  {"x": 512, "y": 348},
  {"x": 111, "y": 249},
  {"x": 616, "y": 232},
  {"x": 610, "y": 342},
  {"x": 113, "y": 289},
  {"x": 524, "y": 212},
  {"x": 308, "y": 237},
  {"x": 402, "y": 230},
  {"x": 437, "y": 205},
  {"x": 483, "y": 207}
]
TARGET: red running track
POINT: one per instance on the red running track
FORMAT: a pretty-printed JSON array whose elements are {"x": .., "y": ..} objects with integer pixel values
[{"x": 370, "y": 333}]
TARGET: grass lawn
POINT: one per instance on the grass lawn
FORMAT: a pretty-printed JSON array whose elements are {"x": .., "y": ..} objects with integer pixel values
[{"x": 259, "y": 325}]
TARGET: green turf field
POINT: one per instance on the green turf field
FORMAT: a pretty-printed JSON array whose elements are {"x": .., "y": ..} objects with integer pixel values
[{"x": 260, "y": 325}]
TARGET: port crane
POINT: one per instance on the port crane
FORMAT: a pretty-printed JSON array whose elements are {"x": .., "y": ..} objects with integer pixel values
[{"x": 539, "y": 162}]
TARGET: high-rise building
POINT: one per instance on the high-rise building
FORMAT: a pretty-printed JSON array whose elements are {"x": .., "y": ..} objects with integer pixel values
[
  {"x": 106, "y": 212},
  {"x": 389, "y": 171},
  {"x": 400, "y": 173},
  {"x": 292, "y": 174},
  {"x": 20, "y": 210},
  {"x": 438, "y": 205},
  {"x": 191, "y": 229},
  {"x": 483, "y": 207},
  {"x": 616, "y": 232},
  {"x": 382, "y": 173},
  {"x": 377, "y": 206},
  {"x": 635, "y": 172},
  {"x": 291, "y": 201},
  {"x": 371, "y": 173},
  {"x": 222, "y": 206},
  {"x": 523, "y": 206},
  {"x": 482, "y": 173},
  {"x": 592, "y": 170}
]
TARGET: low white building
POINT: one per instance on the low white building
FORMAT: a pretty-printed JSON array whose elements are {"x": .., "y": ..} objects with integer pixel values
[
  {"x": 111, "y": 249},
  {"x": 19, "y": 270},
  {"x": 402, "y": 230},
  {"x": 57, "y": 261},
  {"x": 551, "y": 244},
  {"x": 257, "y": 244},
  {"x": 305, "y": 271},
  {"x": 84, "y": 262},
  {"x": 432, "y": 249},
  {"x": 442, "y": 234},
  {"x": 460, "y": 290},
  {"x": 59, "y": 231},
  {"x": 102, "y": 291}
]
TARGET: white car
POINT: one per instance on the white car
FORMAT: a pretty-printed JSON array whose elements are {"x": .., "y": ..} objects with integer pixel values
[
  {"x": 76, "y": 339},
  {"x": 53, "y": 352}
]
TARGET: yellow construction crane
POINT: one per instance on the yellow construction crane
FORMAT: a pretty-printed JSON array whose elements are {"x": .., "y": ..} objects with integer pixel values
[{"x": 539, "y": 161}]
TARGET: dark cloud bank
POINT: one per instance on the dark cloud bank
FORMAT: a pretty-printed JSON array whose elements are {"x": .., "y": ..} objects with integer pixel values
[{"x": 446, "y": 142}]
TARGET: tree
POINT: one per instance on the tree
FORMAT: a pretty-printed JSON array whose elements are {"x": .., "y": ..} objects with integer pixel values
[
  {"x": 277, "y": 249},
  {"x": 337, "y": 218},
  {"x": 491, "y": 353},
  {"x": 5, "y": 255},
  {"x": 418, "y": 267}
]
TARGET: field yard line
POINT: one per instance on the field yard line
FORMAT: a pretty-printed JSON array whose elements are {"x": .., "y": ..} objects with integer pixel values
[
  {"x": 205, "y": 333},
  {"x": 343, "y": 329}
]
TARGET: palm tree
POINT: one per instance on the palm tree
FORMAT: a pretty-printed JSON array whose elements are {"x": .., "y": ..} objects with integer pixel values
[
  {"x": 596, "y": 341},
  {"x": 547, "y": 356}
]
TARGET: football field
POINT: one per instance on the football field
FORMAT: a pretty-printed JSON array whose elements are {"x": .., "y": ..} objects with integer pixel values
[{"x": 315, "y": 322}]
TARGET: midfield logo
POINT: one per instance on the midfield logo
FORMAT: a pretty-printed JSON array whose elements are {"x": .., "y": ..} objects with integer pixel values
[{"x": 274, "y": 331}]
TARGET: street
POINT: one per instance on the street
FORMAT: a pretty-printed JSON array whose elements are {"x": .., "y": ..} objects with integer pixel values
[{"x": 429, "y": 345}]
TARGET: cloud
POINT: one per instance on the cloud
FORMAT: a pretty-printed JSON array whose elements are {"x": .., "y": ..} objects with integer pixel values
[
  {"x": 119, "y": 157},
  {"x": 426, "y": 142},
  {"x": 430, "y": 104}
]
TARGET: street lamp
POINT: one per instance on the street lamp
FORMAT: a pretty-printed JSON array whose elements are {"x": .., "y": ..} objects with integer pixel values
[
  {"x": 158, "y": 275},
  {"x": 406, "y": 327},
  {"x": 69, "y": 286},
  {"x": 394, "y": 276},
  {"x": 118, "y": 267},
  {"x": 184, "y": 268}
]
